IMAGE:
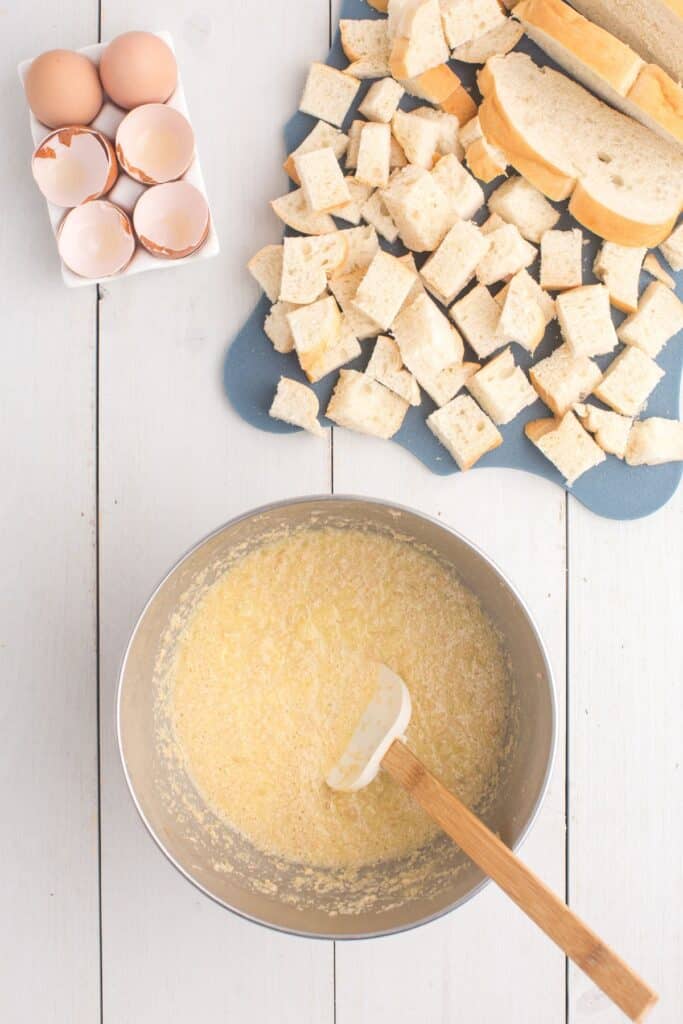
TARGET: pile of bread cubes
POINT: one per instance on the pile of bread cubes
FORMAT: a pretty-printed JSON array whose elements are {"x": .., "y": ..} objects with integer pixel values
[{"x": 415, "y": 177}]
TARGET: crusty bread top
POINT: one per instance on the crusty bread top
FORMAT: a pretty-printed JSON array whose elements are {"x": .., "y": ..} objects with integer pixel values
[{"x": 654, "y": 28}]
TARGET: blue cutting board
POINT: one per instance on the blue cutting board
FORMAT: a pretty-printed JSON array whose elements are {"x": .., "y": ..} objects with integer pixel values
[{"x": 613, "y": 489}]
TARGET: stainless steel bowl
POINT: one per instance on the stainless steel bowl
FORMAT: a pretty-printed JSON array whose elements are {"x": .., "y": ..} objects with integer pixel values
[{"x": 226, "y": 867}]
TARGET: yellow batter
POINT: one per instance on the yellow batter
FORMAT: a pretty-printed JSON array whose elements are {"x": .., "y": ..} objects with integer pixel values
[{"x": 277, "y": 663}]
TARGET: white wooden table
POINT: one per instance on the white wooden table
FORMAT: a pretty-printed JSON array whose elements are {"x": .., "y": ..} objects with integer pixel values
[{"x": 118, "y": 450}]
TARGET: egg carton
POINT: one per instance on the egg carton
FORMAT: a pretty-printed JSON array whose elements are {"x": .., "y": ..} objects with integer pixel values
[{"x": 127, "y": 191}]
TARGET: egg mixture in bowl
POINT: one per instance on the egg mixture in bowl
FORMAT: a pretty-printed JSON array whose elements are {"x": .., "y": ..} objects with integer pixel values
[{"x": 262, "y": 649}]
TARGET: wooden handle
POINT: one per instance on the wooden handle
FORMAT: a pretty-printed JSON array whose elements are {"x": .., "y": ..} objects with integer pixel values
[{"x": 551, "y": 914}]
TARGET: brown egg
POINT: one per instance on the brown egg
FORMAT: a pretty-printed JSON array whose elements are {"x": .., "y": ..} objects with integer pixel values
[
  {"x": 62, "y": 88},
  {"x": 172, "y": 220},
  {"x": 96, "y": 240},
  {"x": 137, "y": 68},
  {"x": 155, "y": 143},
  {"x": 74, "y": 165}
]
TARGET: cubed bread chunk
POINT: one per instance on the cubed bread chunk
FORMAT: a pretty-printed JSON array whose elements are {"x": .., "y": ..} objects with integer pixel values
[
  {"x": 419, "y": 43},
  {"x": 447, "y": 140},
  {"x": 566, "y": 444},
  {"x": 294, "y": 211},
  {"x": 315, "y": 328},
  {"x": 672, "y": 248},
  {"x": 374, "y": 152},
  {"x": 419, "y": 207},
  {"x": 441, "y": 86},
  {"x": 322, "y": 181},
  {"x": 444, "y": 386},
  {"x": 507, "y": 253},
  {"x": 276, "y": 326},
  {"x": 618, "y": 267},
  {"x": 519, "y": 203},
  {"x": 328, "y": 93},
  {"x": 501, "y": 388},
  {"x": 381, "y": 100},
  {"x": 427, "y": 341},
  {"x": 492, "y": 223},
  {"x": 533, "y": 291},
  {"x": 464, "y": 20},
  {"x": 344, "y": 288},
  {"x": 375, "y": 212},
  {"x": 563, "y": 379},
  {"x": 659, "y": 317},
  {"x": 610, "y": 430},
  {"x": 384, "y": 289},
  {"x": 628, "y": 382},
  {"x": 320, "y": 136},
  {"x": 417, "y": 137},
  {"x": 654, "y": 441},
  {"x": 353, "y": 135},
  {"x": 561, "y": 259},
  {"x": 351, "y": 212},
  {"x": 365, "y": 43},
  {"x": 521, "y": 317},
  {"x": 464, "y": 193},
  {"x": 452, "y": 266},
  {"x": 418, "y": 288},
  {"x": 307, "y": 263},
  {"x": 653, "y": 267},
  {"x": 477, "y": 315},
  {"x": 265, "y": 266},
  {"x": 386, "y": 366},
  {"x": 361, "y": 403},
  {"x": 361, "y": 245},
  {"x": 585, "y": 320},
  {"x": 297, "y": 404},
  {"x": 464, "y": 430},
  {"x": 495, "y": 42},
  {"x": 486, "y": 162}
]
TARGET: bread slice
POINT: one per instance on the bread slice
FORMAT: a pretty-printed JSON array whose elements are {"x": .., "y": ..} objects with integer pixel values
[
  {"x": 417, "y": 137},
  {"x": 585, "y": 320},
  {"x": 527, "y": 286},
  {"x": 365, "y": 43},
  {"x": 361, "y": 245},
  {"x": 320, "y": 136},
  {"x": 507, "y": 253},
  {"x": 465, "y": 20},
  {"x": 618, "y": 267},
  {"x": 328, "y": 93},
  {"x": 375, "y": 212},
  {"x": 427, "y": 342},
  {"x": 496, "y": 41},
  {"x": 561, "y": 253},
  {"x": 610, "y": 430},
  {"x": 383, "y": 290},
  {"x": 464, "y": 430},
  {"x": 672, "y": 247},
  {"x": 360, "y": 403},
  {"x": 451, "y": 267},
  {"x": 294, "y": 211},
  {"x": 625, "y": 182},
  {"x": 344, "y": 288},
  {"x": 564, "y": 379},
  {"x": 296, "y": 404},
  {"x": 265, "y": 267},
  {"x": 276, "y": 326},
  {"x": 374, "y": 155},
  {"x": 419, "y": 43},
  {"x": 477, "y": 315},
  {"x": 628, "y": 382},
  {"x": 381, "y": 101},
  {"x": 501, "y": 388},
  {"x": 464, "y": 194},
  {"x": 352, "y": 212},
  {"x": 419, "y": 207},
  {"x": 307, "y": 263},
  {"x": 522, "y": 318},
  {"x": 654, "y": 28},
  {"x": 605, "y": 65},
  {"x": 386, "y": 366},
  {"x": 322, "y": 181},
  {"x": 519, "y": 203},
  {"x": 447, "y": 140},
  {"x": 654, "y": 441},
  {"x": 658, "y": 319},
  {"x": 566, "y": 444},
  {"x": 654, "y": 268}
]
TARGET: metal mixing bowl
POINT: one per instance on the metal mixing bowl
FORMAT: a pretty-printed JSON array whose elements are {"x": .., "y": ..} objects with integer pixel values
[{"x": 224, "y": 865}]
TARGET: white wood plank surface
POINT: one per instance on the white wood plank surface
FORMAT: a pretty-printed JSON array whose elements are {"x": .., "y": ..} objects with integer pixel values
[
  {"x": 626, "y": 779},
  {"x": 49, "y": 945}
]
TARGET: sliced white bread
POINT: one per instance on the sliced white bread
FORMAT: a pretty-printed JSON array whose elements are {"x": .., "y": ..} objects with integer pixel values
[
  {"x": 464, "y": 430},
  {"x": 417, "y": 137},
  {"x": 501, "y": 388},
  {"x": 605, "y": 65},
  {"x": 566, "y": 444},
  {"x": 672, "y": 247},
  {"x": 374, "y": 212},
  {"x": 659, "y": 318},
  {"x": 419, "y": 42},
  {"x": 507, "y": 253},
  {"x": 586, "y": 321},
  {"x": 628, "y": 382},
  {"x": 322, "y": 181},
  {"x": 294, "y": 211},
  {"x": 465, "y": 20},
  {"x": 654, "y": 441},
  {"x": 420, "y": 208},
  {"x": 653, "y": 267},
  {"x": 365, "y": 43},
  {"x": 519, "y": 203},
  {"x": 477, "y": 315},
  {"x": 323, "y": 134},
  {"x": 625, "y": 182},
  {"x": 496, "y": 41},
  {"x": 297, "y": 404},
  {"x": 522, "y": 318},
  {"x": 374, "y": 155},
  {"x": 265, "y": 266},
  {"x": 328, "y": 93},
  {"x": 276, "y": 327},
  {"x": 564, "y": 379},
  {"x": 618, "y": 267},
  {"x": 452, "y": 266},
  {"x": 384, "y": 289},
  {"x": 360, "y": 403},
  {"x": 561, "y": 259},
  {"x": 381, "y": 101},
  {"x": 610, "y": 429},
  {"x": 464, "y": 193},
  {"x": 654, "y": 28},
  {"x": 386, "y": 366}
]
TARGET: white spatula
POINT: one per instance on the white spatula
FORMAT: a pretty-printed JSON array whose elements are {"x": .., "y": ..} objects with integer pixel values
[{"x": 378, "y": 743}]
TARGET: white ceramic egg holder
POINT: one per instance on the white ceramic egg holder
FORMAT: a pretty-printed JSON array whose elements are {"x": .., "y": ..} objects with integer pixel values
[{"x": 127, "y": 191}]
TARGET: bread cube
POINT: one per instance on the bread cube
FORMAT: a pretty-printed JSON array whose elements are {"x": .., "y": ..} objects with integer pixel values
[
  {"x": 351, "y": 212},
  {"x": 386, "y": 367},
  {"x": 654, "y": 441},
  {"x": 418, "y": 288},
  {"x": 610, "y": 430},
  {"x": 306, "y": 264},
  {"x": 502, "y": 388},
  {"x": 346, "y": 349},
  {"x": 447, "y": 140},
  {"x": 315, "y": 328},
  {"x": 464, "y": 430},
  {"x": 659, "y": 318},
  {"x": 465, "y": 195},
  {"x": 276, "y": 326},
  {"x": 563, "y": 379},
  {"x": 444, "y": 386},
  {"x": 372, "y": 166},
  {"x": 427, "y": 342},
  {"x": 320, "y": 136},
  {"x": 618, "y": 267},
  {"x": 383, "y": 289},
  {"x": 294, "y": 211},
  {"x": 360, "y": 403},
  {"x": 417, "y": 137},
  {"x": 375, "y": 212},
  {"x": 653, "y": 267},
  {"x": 421, "y": 210},
  {"x": 464, "y": 20},
  {"x": 495, "y": 42},
  {"x": 296, "y": 404},
  {"x": 344, "y": 288},
  {"x": 328, "y": 93},
  {"x": 265, "y": 266},
  {"x": 322, "y": 180},
  {"x": 527, "y": 286},
  {"x": 507, "y": 253},
  {"x": 353, "y": 134},
  {"x": 566, "y": 444},
  {"x": 421, "y": 44},
  {"x": 381, "y": 100},
  {"x": 521, "y": 317},
  {"x": 452, "y": 266},
  {"x": 477, "y": 315},
  {"x": 365, "y": 43},
  {"x": 397, "y": 157},
  {"x": 628, "y": 382},
  {"x": 561, "y": 259},
  {"x": 585, "y": 320},
  {"x": 519, "y": 203},
  {"x": 492, "y": 223},
  {"x": 485, "y": 161},
  {"x": 361, "y": 245},
  {"x": 673, "y": 248}
]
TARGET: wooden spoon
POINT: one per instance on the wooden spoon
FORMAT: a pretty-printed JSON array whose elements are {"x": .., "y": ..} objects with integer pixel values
[{"x": 377, "y": 743}]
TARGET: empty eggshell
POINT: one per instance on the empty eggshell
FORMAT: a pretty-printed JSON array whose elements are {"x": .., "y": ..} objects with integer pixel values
[
  {"x": 96, "y": 239},
  {"x": 137, "y": 68},
  {"x": 172, "y": 220},
  {"x": 155, "y": 144},
  {"x": 63, "y": 88},
  {"x": 73, "y": 165}
]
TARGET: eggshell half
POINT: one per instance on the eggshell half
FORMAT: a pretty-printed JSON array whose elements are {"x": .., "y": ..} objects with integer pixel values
[
  {"x": 172, "y": 220},
  {"x": 155, "y": 144},
  {"x": 96, "y": 240},
  {"x": 73, "y": 165}
]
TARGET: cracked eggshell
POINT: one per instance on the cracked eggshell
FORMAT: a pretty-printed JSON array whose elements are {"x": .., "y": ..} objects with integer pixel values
[
  {"x": 96, "y": 240},
  {"x": 155, "y": 144},
  {"x": 74, "y": 165},
  {"x": 171, "y": 220}
]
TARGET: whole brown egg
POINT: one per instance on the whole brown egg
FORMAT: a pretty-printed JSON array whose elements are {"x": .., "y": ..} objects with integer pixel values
[
  {"x": 63, "y": 89},
  {"x": 137, "y": 68}
]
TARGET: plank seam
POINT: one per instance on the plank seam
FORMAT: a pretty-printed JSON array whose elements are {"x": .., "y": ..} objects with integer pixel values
[{"x": 567, "y": 847}]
